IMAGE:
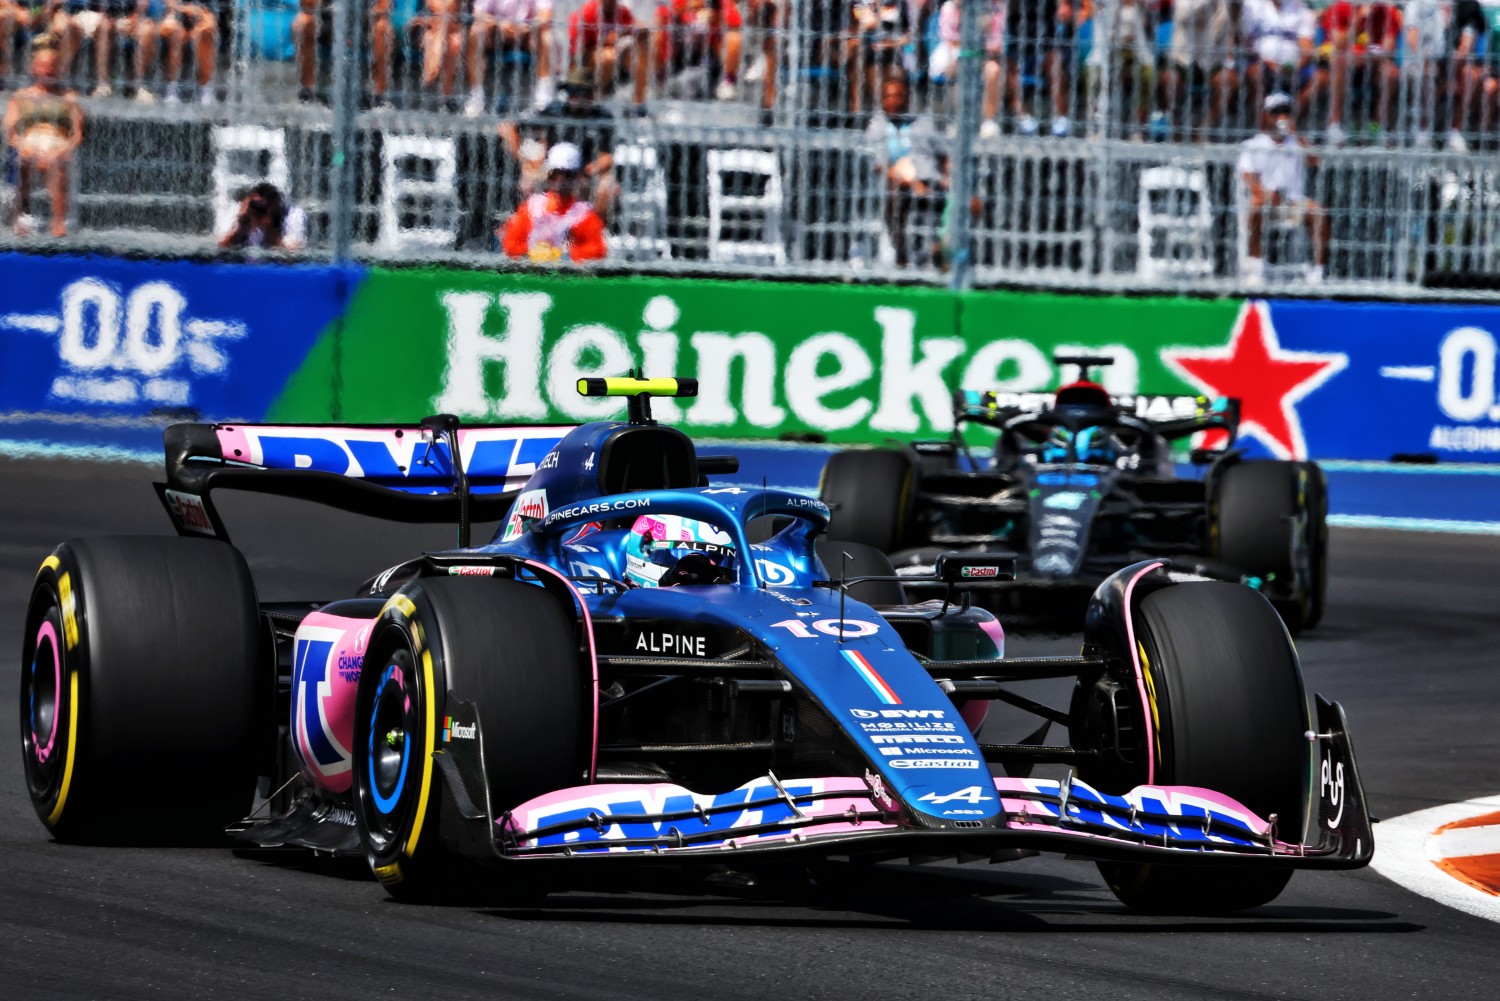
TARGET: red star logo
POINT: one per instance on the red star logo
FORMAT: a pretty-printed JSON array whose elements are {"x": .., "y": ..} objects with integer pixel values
[{"x": 1267, "y": 380}]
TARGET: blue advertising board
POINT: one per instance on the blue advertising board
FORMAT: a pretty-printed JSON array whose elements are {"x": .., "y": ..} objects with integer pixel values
[
  {"x": 1395, "y": 378},
  {"x": 106, "y": 351}
]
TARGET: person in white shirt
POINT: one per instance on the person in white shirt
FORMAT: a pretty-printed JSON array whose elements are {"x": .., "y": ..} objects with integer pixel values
[
  {"x": 1201, "y": 52},
  {"x": 1278, "y": 39},
  {"x": 1272, "y": 169},
  {"x": 524, "y": 25}
]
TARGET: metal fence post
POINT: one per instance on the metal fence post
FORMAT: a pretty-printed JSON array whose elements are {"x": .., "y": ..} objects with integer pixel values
[
  {"x": 964, "y": 166},
  {"x": 345, "y": 100}
]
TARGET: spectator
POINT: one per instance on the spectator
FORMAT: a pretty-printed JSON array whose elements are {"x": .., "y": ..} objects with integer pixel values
[
  {"x": 1358, "y": 52},
  {"x": 942, "y": 62},
  {"x": 909, "y": 152},
  {"x": 765, "y": 16},
  {"x": 705, "y": 46},
  {"x": 97, "y": 21},
  {"x": 827, "y": 61},
  {"x": 438, "y": 34},
  {"x": 1463, "y": 69},
  {"x": 1426, "y": 46},
  {"x": 556, "y": 222},
  {"x": 314, "y": 22},
  {"x": 179, "y": 23},
  {"x": 603, "y": 33},
  {"x": 1278, "y": 38},
  {"x": 44, "y": 125},
  {"x": 1201, "y": 54},
  {"x": 13, "y": 16},
  {"x": 1124, "y": 44},
  {"x": 1272, "y": 167},
  {"x": 1039, "y": 34},
  {"x": 578, "y": 118},
  {"x": 516, "y": 25},
  {"x": 885, "y": 29},
  {"x": 266, "y": 220}
]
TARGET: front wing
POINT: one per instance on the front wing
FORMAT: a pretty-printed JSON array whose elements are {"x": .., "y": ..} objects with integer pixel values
[{"x": 844, "y": 815}]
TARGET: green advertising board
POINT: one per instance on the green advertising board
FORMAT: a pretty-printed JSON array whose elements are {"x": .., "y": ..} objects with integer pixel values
[{"x": 855, "y": 364}]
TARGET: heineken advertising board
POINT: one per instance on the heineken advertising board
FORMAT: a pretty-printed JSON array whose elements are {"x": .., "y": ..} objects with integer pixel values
[
  {"x": 98, "y": 349},
  {"x": 863, "y": 364}
]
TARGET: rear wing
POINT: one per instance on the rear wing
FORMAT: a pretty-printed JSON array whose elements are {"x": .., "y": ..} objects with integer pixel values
[
  {"x": 399, "y": 472},
  {"x": 1222, "y": 413},
  {"x": 994, "y": 408}
]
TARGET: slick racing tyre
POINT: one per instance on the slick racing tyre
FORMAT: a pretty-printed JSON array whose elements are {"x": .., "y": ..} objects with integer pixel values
[
  {"x": 1231, "y": 715},
  {"x": 1272, "y": 521},
  {"x": 510, "y": 650},
  {"x": 139, "y": 677},
  {"x": 870, "y": 492}
]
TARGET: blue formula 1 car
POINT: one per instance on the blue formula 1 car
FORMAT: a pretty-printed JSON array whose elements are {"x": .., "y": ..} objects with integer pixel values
[{"x": 645, "y": 668}]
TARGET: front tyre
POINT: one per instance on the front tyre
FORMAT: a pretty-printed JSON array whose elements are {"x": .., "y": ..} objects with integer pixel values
[
  {"x": 1271, "y": 521},
  {"x": 139, "y": 674},
  {"x": 508, "y": 648},
  {"x": 1226, "y": 692}
]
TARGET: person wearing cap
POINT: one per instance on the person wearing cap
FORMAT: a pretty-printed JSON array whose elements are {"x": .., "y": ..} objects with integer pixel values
[
  {"x": 1272, "y": 168},
  {"x": 578, "y": 117},
  {"x": 556, "y": 222}
]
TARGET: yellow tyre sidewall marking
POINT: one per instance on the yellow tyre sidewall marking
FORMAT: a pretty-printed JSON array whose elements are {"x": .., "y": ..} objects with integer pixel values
[
  {"x": 67, "y": 780},
  {"x": 429, "y": 712},
  {"x": 1151, "y": 698}
]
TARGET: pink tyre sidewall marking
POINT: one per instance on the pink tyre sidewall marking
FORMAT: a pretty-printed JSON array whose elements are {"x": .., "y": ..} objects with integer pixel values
[{"x": 48, "y": 632}]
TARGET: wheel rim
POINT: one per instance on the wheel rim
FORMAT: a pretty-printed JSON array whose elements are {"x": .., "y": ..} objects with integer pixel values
[
  {"x": 393, "y": 721},
  {"x": 43, "y": 706}
]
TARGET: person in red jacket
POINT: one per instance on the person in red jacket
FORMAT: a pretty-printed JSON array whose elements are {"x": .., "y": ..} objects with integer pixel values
[{"x": 551, "y": 223}]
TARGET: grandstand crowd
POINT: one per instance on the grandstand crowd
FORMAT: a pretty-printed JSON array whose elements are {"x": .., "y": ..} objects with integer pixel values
[{"x": 1416, "y": 73}]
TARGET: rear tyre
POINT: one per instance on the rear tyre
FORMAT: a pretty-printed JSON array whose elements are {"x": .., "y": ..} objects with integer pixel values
[
  {"x": 870, "y": 492},
  {"x": 138, "y": 701},
  {"x": 852, "y": 559},
  {"x": 1232, "y": 717},
  {"x": 1272, "y": 522},
  {"x": 512, "y": 651}
]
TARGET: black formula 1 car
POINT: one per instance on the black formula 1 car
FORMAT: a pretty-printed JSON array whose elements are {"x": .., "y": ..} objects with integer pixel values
[
  {"x": 623, "y": 678},
  {"x": 1080, "y": 486}
]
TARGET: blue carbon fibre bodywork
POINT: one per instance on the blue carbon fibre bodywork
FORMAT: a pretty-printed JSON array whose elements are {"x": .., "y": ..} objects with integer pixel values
[{"x": 842, "y": 652}]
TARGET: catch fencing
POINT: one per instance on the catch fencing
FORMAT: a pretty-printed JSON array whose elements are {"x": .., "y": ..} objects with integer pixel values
[{"x": 1072, "y": 146}]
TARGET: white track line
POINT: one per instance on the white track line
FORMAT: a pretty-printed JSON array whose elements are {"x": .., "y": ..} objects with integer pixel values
[{"x": 1408, "y": 848}]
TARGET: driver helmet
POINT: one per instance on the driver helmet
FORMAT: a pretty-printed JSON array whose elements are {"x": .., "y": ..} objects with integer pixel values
[
  {"x": 1095, "y": 445},
  {"x": 658, "y": 543},
  {"x": 1058, "y": 446}
]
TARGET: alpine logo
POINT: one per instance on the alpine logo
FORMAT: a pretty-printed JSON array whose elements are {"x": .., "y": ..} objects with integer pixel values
[{"x": 971, "y": 795}]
